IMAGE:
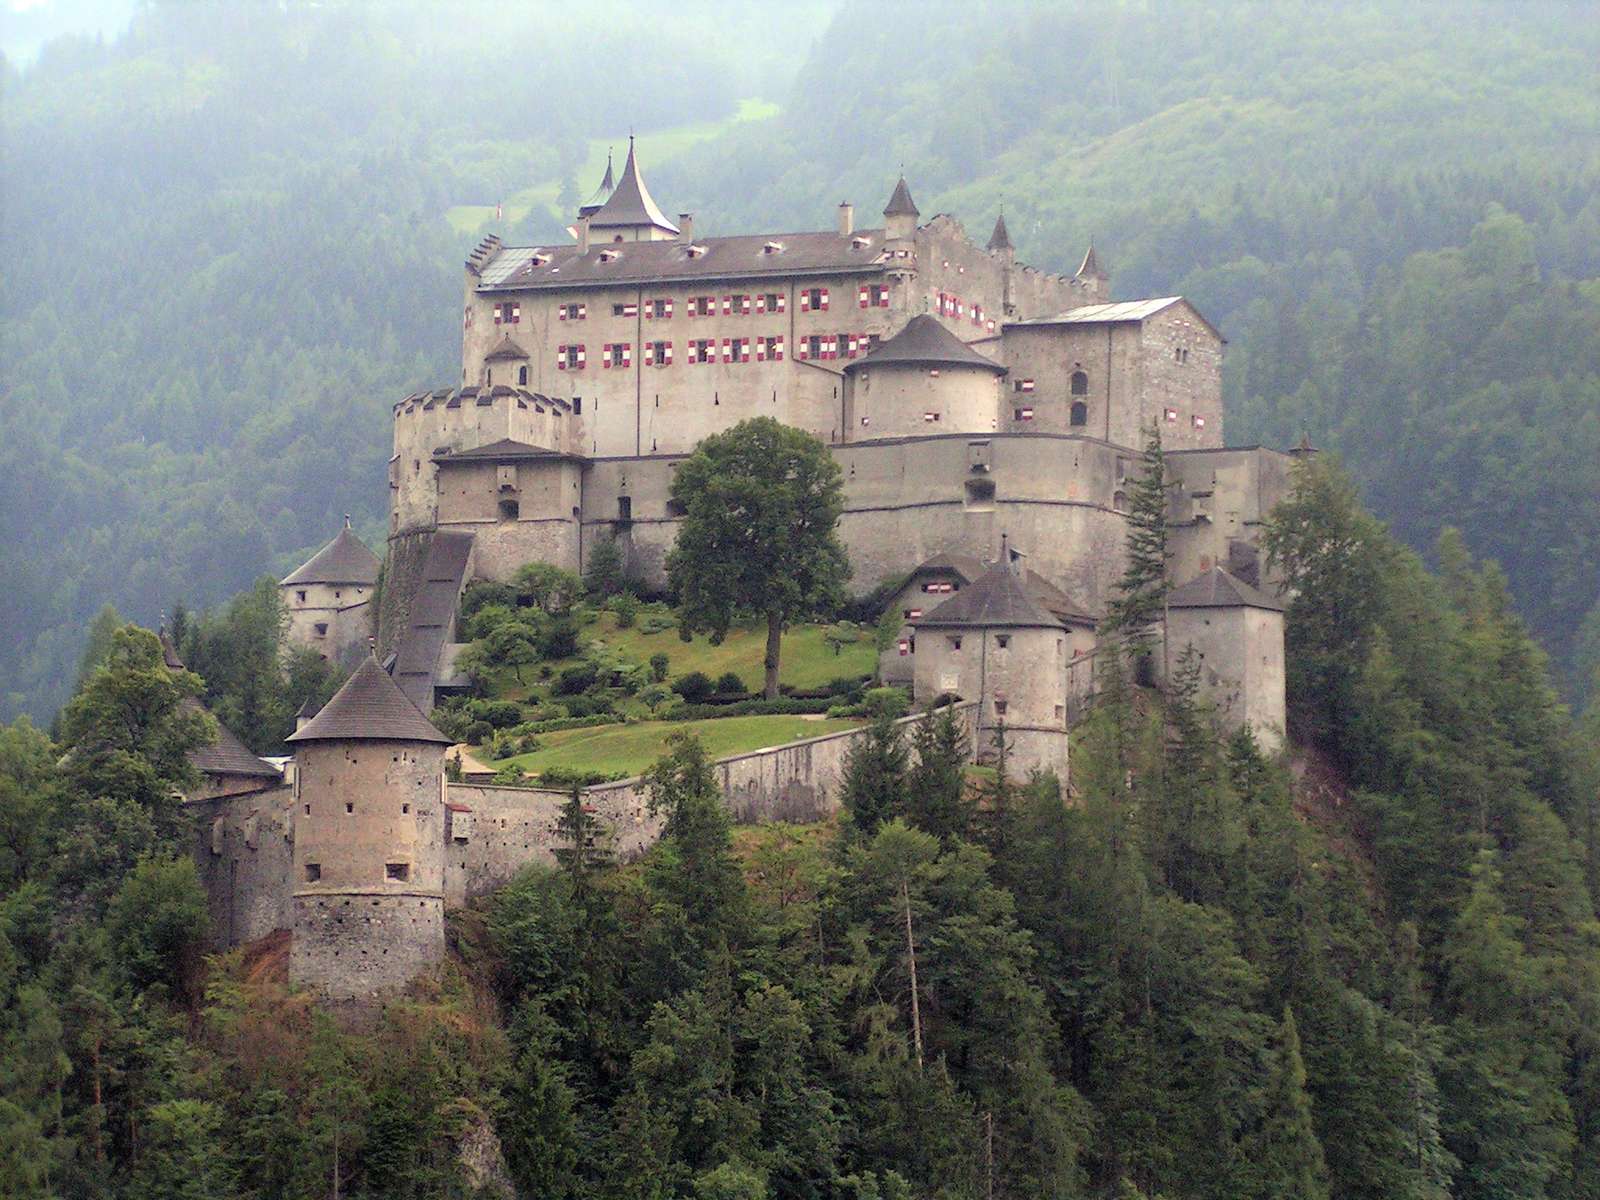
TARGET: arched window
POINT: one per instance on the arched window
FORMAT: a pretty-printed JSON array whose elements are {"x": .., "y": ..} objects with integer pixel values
[
  {"x": 1080, "y": 383},
  {"x": 522, "y": 376},
  {"x": 1080, "y": 413}
]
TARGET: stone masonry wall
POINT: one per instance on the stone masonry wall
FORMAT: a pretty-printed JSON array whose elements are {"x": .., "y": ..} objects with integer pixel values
[{"x": 244, "y": 852}]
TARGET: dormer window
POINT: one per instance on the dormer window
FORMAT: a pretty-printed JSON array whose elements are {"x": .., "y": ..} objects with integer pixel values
[
  {"x": 610, "y": 256},
  {"x": 772, "y": 248},
  {"x": 696, "y": 251},
  {"x": 860, "y": 243},
  {"x": 538, "y": 260}
]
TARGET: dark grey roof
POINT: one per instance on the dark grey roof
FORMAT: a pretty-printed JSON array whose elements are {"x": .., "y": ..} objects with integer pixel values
[
  {"x": 1090, "y": 266},
  {"x": 900, "y": 203},
  {"x": 629, "y": 264},
  {"x": 503, "y": 450},
  {"x": 433, "y": 609},
  {"x": 227, "y": 755},
  {"x": 506, "y": 349},
  {"x": 964, "y": 565},
  {"x": 601, "y": 193},
  {"x": 997, "y": 599},
  {"x": 630, "y": 203},
  {"x": 369, "y": 707},
  {"x": 1053, "y": 600},
  {"x": 169, "y": 653},
  {"x": 1000, "y": 239},
  {"x": 1218, "y": 589},
  {"x": 344, "y": 560},
  {"x": 925, "y": 342}
]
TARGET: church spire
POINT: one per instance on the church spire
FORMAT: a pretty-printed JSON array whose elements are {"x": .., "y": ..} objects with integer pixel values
[
  {"x": 900, "y": 203},
  {"x": 1090, "y": 268}
]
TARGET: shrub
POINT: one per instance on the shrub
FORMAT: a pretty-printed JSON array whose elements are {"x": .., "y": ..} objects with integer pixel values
[
  {"x": 547, "y": 587},
  {"x": 565, "y": 777},
  {"x": 782, "y": 707},
  {"x": 579, "y": 677},
  {"x": 586, "y": 706},
  {"x": 729, "y": 683},
  {"x": 603, "y": 576},
  {"x": 452, "y": 723},
  {"x": 486, "y": 592},
  {"x": 627, "y": 609},
  {"x": 511, "y": 775},
  {"x": 501, "y": 714},
  {"x": 655, "y": 694},
  {"x": 486, "y": 620},
  {"x": 658, "y": 622},
  {"x": 694, "y": 687},
  {"x": 659, "y": 662},
  {"x": 479, "y": 732},
  {"x": 876, "y": 702},
  {"x": 559, "y": 639}
]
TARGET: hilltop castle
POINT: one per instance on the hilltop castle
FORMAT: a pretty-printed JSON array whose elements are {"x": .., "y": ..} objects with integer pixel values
[{"x": 987, "y": 418}]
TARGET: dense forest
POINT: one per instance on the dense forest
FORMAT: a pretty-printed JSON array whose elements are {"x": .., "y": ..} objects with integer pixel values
[
  {"x": 227, "y": 247},
  {"x": 1369, "y": 972}
]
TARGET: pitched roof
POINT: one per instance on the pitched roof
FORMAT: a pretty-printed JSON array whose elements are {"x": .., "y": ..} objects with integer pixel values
[
  {"x": 503, "y": 450},
  {"x": 169, "y": 653},
  {"x": 227, "y": 755},
  {"x": 900, "y": 203},
  {"x": 346, "y": 559},
  {"x": 432, "y": 615},
  {"x": 1090, "y": 266},
  {"x": 629, "y": 264},
  {"x": 630, "y": 203},
  {"x": 1053, "y": 600},
  {"x": 925, "y": 342},
  {"x": 369, "y": 707},
  {"x": 1000, "y": 239},
  {"x": 964, "y": 565},
  {"x": 996, "y": 599},
  {"x": 601, "y": 193},
  {"x": 506, "y": 349},
  {"x": 1099, "y": 314},
  {"x": 1218, "y": 589}
]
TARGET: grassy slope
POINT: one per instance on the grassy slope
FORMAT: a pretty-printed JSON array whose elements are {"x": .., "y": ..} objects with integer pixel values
[
  {"x": 806, "y": 660},
  {"x": 632, "y": 748}
]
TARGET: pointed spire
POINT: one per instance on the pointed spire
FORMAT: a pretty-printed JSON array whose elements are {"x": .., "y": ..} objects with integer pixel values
[
  {"x": 1090, "y": 267},
  {"x": 609, "y": 183},
  {"x": 630, "y": 204},
  {"x": 1000, "y": 239},
  {"x": 900, "y": 203},
  {"x": 601, "y": 193}
]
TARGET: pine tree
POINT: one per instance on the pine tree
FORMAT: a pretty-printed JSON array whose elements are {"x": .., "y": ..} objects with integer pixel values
[
  {"x": 1285, "y": 1159},
  {"x": 585, "y": 850},
  {"x": 936, "y": 788},
  {"x": 1141, "y": 593},
  {"x": 874, "y": 789}
]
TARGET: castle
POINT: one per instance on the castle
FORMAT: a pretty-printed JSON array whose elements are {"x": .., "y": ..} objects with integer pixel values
[{"x": 987, "y": 419}]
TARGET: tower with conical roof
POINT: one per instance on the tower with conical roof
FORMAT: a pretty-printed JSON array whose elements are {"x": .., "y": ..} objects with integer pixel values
[
  {"x": 369, "y": 822},
  {"x": 329, "y": 597},
  {"x": 1000, "y": 246},
  {"x": 995, "y": 644},
  {"x": 900, "y": 215},
  {"x": 630, "y": 213},
  {"x": 922, "y": 380},
  {"x": 1092, "y": 278}
]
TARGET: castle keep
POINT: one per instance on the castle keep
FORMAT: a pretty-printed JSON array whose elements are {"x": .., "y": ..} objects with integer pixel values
[{"x": 987, "y": 418}]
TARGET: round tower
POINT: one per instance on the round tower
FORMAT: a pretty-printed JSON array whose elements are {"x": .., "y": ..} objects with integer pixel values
[
  {"x": 369, "y": 833},
  {"x": 923, "y": 380}
]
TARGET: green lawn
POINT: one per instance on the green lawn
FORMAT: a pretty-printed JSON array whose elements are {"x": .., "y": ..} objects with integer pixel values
[
  {"x": 805, "y": 661},
  {"x": 632, "y": 748}
]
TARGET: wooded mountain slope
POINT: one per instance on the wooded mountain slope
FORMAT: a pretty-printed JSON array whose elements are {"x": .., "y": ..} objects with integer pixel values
[{"x": 226, "y": 249}]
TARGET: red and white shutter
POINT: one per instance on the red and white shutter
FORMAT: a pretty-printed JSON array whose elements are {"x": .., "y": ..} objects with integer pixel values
[
  {"x": 605, "y": 356},
  {"x": 802, "y": 349},
  {"x": 649, "y": 354},
  {"x": 744, "y": 306},
  {"x": 777, "y": 350},
  {"x": 727, "y": 305},
  {"x": 744, "y": 350},
  {"x": 864, "y": 295},
  {"x": 627, "y": 354},
  {"x": 805, "y": 301},
  {"x": 580, "y": 358},
  {"x": 783, "y": 302},
  {"x": 761, "y": 349},
  {"x": 727, "y": 350},
  {"x": 761, "y": 303},
  {"x": 561, "y": 358},
  {"x": 824, "y": 305}
]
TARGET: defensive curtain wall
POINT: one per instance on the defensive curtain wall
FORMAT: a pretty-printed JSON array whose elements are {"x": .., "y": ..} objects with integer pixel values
[{"x": 244, "y": 844}]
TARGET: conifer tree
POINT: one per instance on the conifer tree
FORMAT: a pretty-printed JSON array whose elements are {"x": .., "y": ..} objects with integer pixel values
[
  {"x": 1141, "y": 593},
  {"x": 1285, "y": 1158},
  {"x": 936, "y": 789},
  {"x": 585, "y": 850},
  {"x": 874, "y": 789}
]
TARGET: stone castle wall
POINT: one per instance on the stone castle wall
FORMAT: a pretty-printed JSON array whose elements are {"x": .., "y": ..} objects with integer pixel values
[{"x": 350, "y": 942}]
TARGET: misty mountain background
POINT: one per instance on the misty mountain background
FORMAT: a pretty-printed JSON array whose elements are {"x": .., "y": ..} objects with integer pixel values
[{"x": 232, "y": 237}]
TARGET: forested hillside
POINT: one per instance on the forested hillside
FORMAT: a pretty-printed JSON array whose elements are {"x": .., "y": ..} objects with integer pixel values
[
  {"x": 227, "y": 246},
  {"x": 1371, "y": 972}
]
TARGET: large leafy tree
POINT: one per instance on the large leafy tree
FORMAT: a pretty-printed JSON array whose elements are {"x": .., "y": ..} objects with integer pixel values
[{"x": 760, "y": 505}]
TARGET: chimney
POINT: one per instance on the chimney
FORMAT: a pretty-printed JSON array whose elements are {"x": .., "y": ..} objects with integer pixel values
[
  {"x": 847, "y": 218},
  {"x": 583, "y": 235},
  {"x": 686, "y": 228}
]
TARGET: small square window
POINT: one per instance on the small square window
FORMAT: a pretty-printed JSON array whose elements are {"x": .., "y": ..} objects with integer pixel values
[
  {"x": 349, "y": 808},
  {"x": 313, "y": 872},
  {"x": 300, "y": 596},
  {"x": 405, "y": 808},
  {"x": 1002, "y": 640},
  {"x": 400, "y": 871},
  {"x": 999, "y": 708}
]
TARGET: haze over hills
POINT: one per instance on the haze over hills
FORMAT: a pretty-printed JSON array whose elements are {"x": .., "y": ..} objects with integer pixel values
[{"x": 232, "y": 238}]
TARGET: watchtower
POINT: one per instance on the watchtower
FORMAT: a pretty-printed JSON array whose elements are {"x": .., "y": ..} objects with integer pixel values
[{"x": 369, "y": 823}]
